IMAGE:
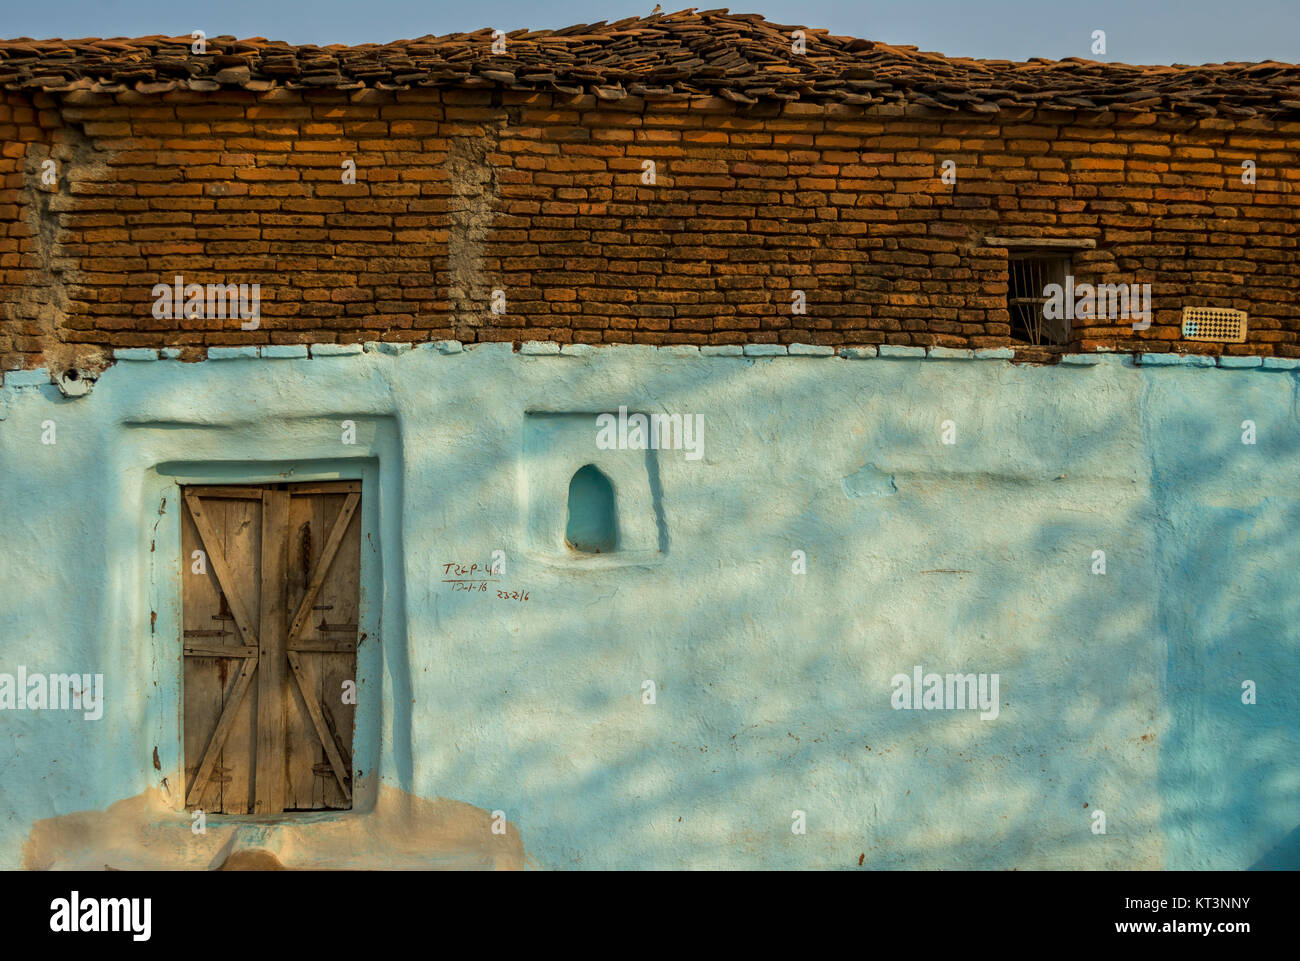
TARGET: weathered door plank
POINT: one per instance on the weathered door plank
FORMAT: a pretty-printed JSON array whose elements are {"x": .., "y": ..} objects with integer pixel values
[
  {"x": 242, "y": 551},
  {"x": 219, "y": 567},
  {"x": 313, "y": 708},
  {"x": 203, "y": 687},
  {"x": 322, "y": 565},
  {"x": 224, "y": 724},
  {"x": 272, "y": 625}
]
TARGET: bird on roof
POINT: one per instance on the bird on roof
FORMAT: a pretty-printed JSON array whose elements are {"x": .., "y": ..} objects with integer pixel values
[{"x": 655, "y": 10}]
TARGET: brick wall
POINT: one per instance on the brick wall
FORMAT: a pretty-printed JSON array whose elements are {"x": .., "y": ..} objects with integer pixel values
[{"x": 460, "y": 193}]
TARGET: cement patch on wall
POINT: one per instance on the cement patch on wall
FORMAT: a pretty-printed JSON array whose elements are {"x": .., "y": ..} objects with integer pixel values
[{"x": 402, "y": 832}]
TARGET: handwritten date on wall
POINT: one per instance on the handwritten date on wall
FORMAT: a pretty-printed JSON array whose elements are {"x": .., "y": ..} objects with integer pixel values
[{"x": 476, "y": 578}]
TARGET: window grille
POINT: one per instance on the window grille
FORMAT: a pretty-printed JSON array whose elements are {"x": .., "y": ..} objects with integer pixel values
[
  {"x": 1220, "y": 324},
  {"x": 1028, "y": 277}
]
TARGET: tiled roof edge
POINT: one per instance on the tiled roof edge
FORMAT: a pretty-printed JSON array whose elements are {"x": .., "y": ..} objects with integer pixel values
[{"x": 739, "y": 57}]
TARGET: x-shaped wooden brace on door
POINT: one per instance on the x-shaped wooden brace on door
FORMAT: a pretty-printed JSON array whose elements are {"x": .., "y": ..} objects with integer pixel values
[{"x": 296, "y": 627}]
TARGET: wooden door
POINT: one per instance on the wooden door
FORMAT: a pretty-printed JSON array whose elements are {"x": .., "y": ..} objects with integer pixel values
[{"x": 271, "y": 606}]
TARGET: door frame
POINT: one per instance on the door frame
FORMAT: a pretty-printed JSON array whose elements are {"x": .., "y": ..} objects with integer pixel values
[{"x": 167, "y": 571}]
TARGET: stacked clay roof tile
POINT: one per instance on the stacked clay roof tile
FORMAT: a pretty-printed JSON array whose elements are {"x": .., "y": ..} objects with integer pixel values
[{"x": 740, "y": 57}]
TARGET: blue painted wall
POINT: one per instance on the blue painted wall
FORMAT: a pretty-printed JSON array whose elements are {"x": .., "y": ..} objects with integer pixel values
[{"x": 1119, "y": 692}]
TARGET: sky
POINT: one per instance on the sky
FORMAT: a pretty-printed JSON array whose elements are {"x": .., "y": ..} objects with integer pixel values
[{"x": 1137, "y": 31}]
